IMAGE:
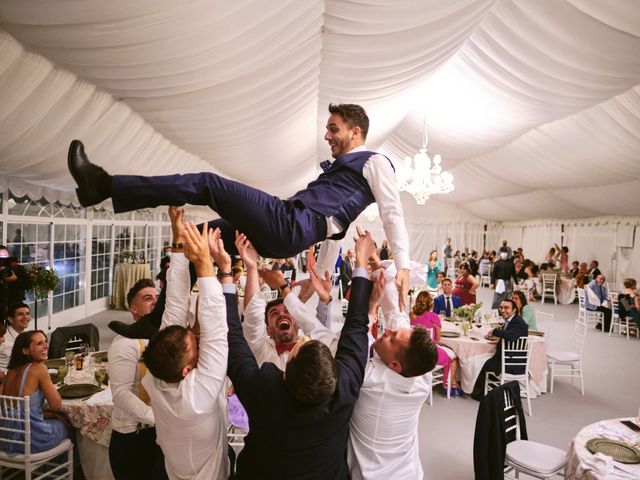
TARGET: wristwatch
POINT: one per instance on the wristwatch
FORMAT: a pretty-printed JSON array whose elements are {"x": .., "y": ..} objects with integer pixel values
[{"x": 177, "y": 246}]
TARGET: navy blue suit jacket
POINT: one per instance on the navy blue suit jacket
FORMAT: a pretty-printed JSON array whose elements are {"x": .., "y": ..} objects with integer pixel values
[{"x": 439, "y": 305}]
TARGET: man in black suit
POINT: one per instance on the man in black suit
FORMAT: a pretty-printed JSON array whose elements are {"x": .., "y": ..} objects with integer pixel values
[
  {"x": 594, "y": 271},
  {"x": 514, "y": 328},
  {"x": 346, "y": 270},
  {"x": 307, "y": 407}
]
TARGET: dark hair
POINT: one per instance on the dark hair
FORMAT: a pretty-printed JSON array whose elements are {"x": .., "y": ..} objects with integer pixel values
[
  {"x": 465, "y": 266},
  {"x": 513, "y": 304},
  {"x": 18, "y": 358},
  {"x": 629, "y": 282},
  {"x": 420, "y": 356},
  {"x": 11, "y": 312},
  {"x": 164, "y": 355},
  {"x": 354, "y": 115},
  {"x": 270, "y": 305},
  {"x": 523, "y": 300},
  {"x": 504, "y": 249},
  {"x": 139, "y": 285},
  {"x": 565, "y": 249},
  {"x": 447, "y": 279},
  {"x": 595, "y": 261},
  {"x": 311, "y": 375},
  {"x": 424, "y": 303}
]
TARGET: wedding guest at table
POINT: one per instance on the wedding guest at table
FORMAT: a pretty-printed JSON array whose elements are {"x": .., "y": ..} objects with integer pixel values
[
  {"x": 582, "y": 275},
  {"x": 433, "y": 268},
  {"x": 187, "y": 385},
  {"x": 28, "y": 376},
  {"x": 446, "y": 302},
  {"x": 575, "y": 268},
  {"x": 18, "y": 319},
  {"x": 629, "y": 300},
  {"x": 594, "y": 271},
  {"x": 514, "y": 327},
  {"x": 385, "y": 252},
  {"x": 439, "y": 277},
  {"x": 596, "y": 300},
  {"x": 502, "y": 277},
  {"x": 524, "y": 309},
  {"x": 466, "y": 285},
  {"x": 563, "y": 257},
  {"x": 422, "y": 314},
  {"x": 132, "y": 420}
]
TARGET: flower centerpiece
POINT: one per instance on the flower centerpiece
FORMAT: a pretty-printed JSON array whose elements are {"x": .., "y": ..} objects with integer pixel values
[
  {"x": 466, "y": 313},
  {"x": 42, "y": 281}
]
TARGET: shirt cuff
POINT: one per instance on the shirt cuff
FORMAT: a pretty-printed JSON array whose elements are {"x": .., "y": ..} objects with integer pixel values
[
  {"x": 360, "y": 272},
  {"x": 229, "y": 288}
]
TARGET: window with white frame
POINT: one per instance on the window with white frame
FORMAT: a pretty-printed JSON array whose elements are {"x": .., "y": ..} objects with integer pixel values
[{"x": 100, "y": 261}]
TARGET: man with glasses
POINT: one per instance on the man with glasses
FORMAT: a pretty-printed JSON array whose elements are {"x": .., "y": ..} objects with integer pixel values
[{"x": 514, "y": 327}]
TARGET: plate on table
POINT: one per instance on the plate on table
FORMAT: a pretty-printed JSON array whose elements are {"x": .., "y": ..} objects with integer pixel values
[
  {"x": 55, "y": 362},
  {"x": 492, "y": 338},
  {"x": 619, "y": 451},
  {"x": 78, "y": 390},
  {"x": 103, "y": 356},
  {"x": 536, "y": 333},
  {"x": 450, "y": 334}
]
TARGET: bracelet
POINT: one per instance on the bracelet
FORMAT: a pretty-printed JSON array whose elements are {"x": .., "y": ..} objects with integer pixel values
[
  {"x": 225, "y": 274},
  {"x": 177, "y": 246}
]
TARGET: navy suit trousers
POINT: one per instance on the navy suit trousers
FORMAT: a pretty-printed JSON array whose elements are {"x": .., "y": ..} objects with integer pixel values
[{"x": 277, "y": 228}]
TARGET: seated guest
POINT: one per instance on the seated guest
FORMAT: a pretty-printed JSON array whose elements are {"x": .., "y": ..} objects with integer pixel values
[
  {"x": 309, "y": 405},
  {"x": 524, "y": 310},
  {"x": 514, "y": 328},
  {"x": 580, "y": 276},
  {"x": 28, "y": 376},
  {"x": 132, "y": 420},
  {"x": 440, "y": 278},
  {"x": 187, "y": 385},
  {"x": 466, "y": 285},
  {"x": 18, "y": 319},
  {"x": 422, "y": 314},
  {"x": 575, "y": 268},
  {"x": 446, "y": 302},
  {"x": 596, "y": 300},
  {"x": 629, "y": 301}
]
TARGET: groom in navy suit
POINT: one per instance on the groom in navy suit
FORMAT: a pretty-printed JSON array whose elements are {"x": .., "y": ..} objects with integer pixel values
[
  {"x": 277, "y": 228},
  {"x": 446, "y": 302}
]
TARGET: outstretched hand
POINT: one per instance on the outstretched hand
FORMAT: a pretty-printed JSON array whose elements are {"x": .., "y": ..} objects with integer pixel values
[
  {"x": 196, "y": 248},
  {"x": 176, "y": 214},
  {"x": 365, "y": 247},
  {"x": 273, "y": 278},
  {"x": 322, "y": 286},
  {"x": 219, "y": 254},
  {"x": 402, "y": 284},
  {"x": 247, "y": 252}
]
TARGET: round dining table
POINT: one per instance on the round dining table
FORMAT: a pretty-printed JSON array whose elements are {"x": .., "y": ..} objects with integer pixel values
[
  {"x": 473, "y": 350},
  {"x": 584, "y": 465}
]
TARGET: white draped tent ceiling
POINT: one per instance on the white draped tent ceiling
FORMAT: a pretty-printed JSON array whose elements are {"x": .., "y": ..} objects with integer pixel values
[{"x": 533, "y": 104}]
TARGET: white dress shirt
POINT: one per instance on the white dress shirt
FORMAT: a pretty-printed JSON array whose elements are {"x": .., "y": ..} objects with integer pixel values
[
  {"x": 382, "y": 180},
  {"x": 262, "y": 345},
  {"x": 191, "y": 416},
  {"x": 383, "y": 438},
  {"x": 7, "y": 346},
  {"x": 124, "y": 380}
]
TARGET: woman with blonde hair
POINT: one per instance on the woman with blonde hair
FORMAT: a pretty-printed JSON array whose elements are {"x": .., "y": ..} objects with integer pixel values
[{"x": 422, "y": 314}]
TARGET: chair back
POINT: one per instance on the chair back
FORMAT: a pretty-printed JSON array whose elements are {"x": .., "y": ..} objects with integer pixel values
[
  {"x": 613, "y": 287},
  {"x": 581, "y": 300},
  {"x": 579, "y": 335},
  {"x": 70, "y": 338},
  {"x": 549, "y": 281},
  {"x": 15, "y": 428},
  {"x": 287, "y": 274},
  {"x": 510, "y": 415},
  {"x": 515, "y": 355},
  {"x": 613, "y": 302},
  {"x": 270, "y": 295},
  {"x": 544, "y": 321},
  {"x": 484, "y": 268}
]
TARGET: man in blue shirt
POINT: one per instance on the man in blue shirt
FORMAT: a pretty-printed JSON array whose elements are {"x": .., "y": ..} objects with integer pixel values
[{"x": 596, "y": 299}]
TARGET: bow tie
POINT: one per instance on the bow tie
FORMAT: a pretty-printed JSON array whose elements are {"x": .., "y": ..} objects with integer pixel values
[{"x": 284, "y": 347}]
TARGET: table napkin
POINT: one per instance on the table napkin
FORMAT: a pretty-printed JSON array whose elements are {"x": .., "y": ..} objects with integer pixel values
[
  {"x": 103, "y": 396},
  {"x": 600, "y": 464}
]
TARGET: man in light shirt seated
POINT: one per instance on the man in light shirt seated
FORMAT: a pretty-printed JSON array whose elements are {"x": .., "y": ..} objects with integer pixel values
[
  {"x": 134, "y": 433},
  {"x": 188, "y": 382}
]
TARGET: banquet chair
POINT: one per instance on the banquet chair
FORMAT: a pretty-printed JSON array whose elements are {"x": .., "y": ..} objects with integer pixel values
[
  {"x": 589, "y": 317},
  {"x": 501, "y": 427},
  {"x": 616, "y": 321},
  {"x": 485, "y": 275},
  {"x": 544, "y": 321},
  {"x": 569, "y": 363},
  {"x": 287, "y": 274},
  {"x": 437, "y": 375},
  {"x": 15, "y": 433},
  {"x": 613, "y": 287},
  {"x": 270, "y": 295},
  {"x": 451, "y": 268},
  {"x": 516, "y": 353},
  {"x": 549, "y": 287}
]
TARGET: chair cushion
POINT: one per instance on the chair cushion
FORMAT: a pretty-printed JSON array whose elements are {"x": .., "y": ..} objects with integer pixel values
[
  {"x": 563, "y": 356},
  {"x": 536, "y": 456},
  {"x": 38, "y": 457}
]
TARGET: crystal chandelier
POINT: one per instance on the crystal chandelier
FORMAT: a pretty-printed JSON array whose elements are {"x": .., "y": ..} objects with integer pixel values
[{"x": 422, "y": 179}]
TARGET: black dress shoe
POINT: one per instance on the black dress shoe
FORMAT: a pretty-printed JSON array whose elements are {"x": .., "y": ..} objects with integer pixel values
[
  {"x": 143, "y": 328},
  {"x": 94, "y": 184}
]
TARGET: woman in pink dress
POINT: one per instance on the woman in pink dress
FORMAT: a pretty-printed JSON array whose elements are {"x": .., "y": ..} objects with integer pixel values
[
  {"x": 422, "y": 314},
  {"x": 466, "y": 285}
]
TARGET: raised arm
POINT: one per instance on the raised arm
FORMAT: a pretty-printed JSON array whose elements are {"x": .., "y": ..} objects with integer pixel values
[{"x": 178, "y": 279}]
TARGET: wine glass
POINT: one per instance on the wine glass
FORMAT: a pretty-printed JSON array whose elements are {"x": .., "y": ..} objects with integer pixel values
[
  {"x": 62, "y": 373},
  {"x": 68, "y": 358},
  {"x": 100, "y": 374}
]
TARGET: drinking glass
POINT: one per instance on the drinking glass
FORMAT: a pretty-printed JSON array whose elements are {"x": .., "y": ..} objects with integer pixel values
[
  {"x": 62, "y": 373},
  {"x": 68, "y": 357},
  {"x": 465, "y": 328},
  {"x": 100, "y": 374}
]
